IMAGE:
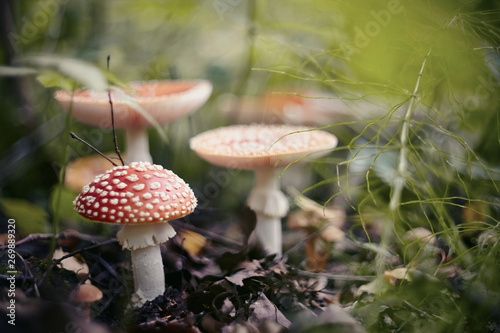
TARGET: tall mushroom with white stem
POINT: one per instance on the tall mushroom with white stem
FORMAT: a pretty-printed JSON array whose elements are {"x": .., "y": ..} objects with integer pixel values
[
  {"x": 141, "y": 106},
  {"x": 266, "y": 149},
  {"x": 142, "y": 197}
]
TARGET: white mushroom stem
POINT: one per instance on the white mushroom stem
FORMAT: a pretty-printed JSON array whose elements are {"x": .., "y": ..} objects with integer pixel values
[
  {"x": 137, "y": 143},
  {"x": 269, "y": 204},
  {"x": 144, "y": 243}
]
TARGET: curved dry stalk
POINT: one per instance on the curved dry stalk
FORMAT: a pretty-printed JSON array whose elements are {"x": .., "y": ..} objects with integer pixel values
[{"x": 402, "y": 165}]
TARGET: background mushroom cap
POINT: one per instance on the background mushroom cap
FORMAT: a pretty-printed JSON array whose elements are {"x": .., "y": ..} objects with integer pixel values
[
  {"x": 257, "y": 146},
  {"x": 332, "y": 234},
  {"x": 86, "y": 293},
  {"x": 83, "y": 170},
  {"x": 165, "y": 101},
  {"x": 135, "y": 194}
]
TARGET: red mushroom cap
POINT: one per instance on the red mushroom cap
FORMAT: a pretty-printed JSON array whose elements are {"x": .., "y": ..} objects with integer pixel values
[{"x": 137, "y": 193}]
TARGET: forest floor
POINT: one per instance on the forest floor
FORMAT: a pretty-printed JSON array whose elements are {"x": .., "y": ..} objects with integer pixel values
[{"x": 215, "y": 283}]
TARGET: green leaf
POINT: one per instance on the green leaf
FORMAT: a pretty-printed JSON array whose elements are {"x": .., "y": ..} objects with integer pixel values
[
  {"x": 83, "y": 72},
  {"x": 50, "y": 78},
  {"x": 29, "y": 218}
]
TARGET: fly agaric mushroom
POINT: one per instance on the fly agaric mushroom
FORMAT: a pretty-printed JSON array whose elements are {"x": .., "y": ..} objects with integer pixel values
[
  {"x": 161, "y": 101},
  {"x": 266, "y": 149},
  {"x": 142, "y": 197}
]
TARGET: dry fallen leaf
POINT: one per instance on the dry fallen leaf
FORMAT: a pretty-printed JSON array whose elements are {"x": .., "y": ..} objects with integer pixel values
[{"x": 264, "y": 310}]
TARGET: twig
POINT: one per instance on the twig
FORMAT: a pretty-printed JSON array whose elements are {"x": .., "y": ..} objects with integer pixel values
[
  {"x": 208, "y": 234},
  {"x": 63, "y": 235},
  {"x": 74, "y": 136},
  {"x": 29, "y": 238},
  {"x": 422, "y": 312},
  {"x": 401, "y": 171},
  {"x": 336, "y": 276},
  {"x": 105, "y": 264},
  {"x": 115, "y": 139},
  {"x": 17, "y": 277},
  {"x": 29, "y": 273},
  {"x": 58, "y": 261},
  {"x": 83, "y": 249},
  {"x": 299, "y": 245}
]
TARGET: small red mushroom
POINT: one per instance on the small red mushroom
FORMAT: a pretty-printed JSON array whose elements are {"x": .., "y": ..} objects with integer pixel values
[{"x": 142, "y": 197}]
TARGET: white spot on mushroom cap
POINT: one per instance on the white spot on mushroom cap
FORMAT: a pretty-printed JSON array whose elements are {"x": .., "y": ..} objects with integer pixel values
[
  {"x": 133, "y": 178},
  {"x": 139, "y": 187}
]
